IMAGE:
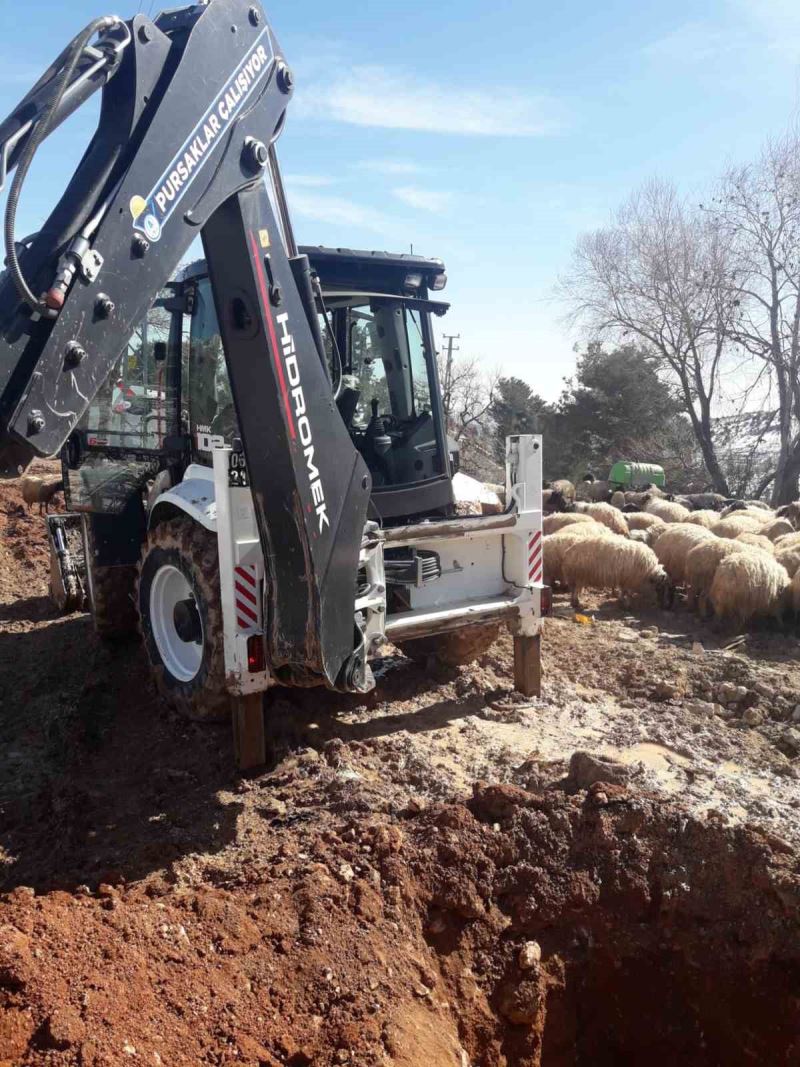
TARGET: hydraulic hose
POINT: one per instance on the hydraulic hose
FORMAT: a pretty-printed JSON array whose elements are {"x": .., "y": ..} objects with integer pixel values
[{"x": 72, "y": 56}]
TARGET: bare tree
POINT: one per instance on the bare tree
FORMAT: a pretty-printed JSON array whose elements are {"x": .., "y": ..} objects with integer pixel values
[
  {"x": 467, "y": 394},
  {"x": 757, "y": 213},
  {"x": 661, "y": 273}
]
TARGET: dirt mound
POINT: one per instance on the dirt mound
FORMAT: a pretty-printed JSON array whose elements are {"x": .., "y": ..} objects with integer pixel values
[
  {"x": 522, "y": 929},
  {"x": 344, "y": 908}
]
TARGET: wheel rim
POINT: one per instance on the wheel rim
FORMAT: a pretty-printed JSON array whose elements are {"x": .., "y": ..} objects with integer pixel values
[{"x": 182, "y": 658}]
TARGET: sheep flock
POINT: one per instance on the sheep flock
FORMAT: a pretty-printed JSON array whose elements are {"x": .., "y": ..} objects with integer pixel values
[{"x": 737, "y": 560}]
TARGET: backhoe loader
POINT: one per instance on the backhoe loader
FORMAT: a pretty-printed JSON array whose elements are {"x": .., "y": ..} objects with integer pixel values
[{"x": 255, "y": 443}]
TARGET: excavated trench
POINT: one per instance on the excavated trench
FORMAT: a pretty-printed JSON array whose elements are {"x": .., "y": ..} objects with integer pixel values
[{"x": 606, "y": 929}]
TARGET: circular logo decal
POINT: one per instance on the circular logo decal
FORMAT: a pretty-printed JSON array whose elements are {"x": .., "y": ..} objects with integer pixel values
[{"x": 152, "y": 227}]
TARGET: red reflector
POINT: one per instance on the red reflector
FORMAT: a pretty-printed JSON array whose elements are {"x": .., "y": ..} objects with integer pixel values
[
  {"x": 546, "y": 600},
  {"x": 256, "y": 661}
]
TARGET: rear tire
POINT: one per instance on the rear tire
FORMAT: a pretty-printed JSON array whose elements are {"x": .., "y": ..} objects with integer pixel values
[
  {"x": 452, "y": 649},
  {"x": 111, "y": 596},
  {"x": 180, "y": 613}
]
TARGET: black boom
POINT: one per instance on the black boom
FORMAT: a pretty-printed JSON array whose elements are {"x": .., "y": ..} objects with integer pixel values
[{"x": 192, "y": 104}]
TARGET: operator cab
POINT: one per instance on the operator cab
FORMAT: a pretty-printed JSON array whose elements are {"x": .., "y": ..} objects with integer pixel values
[{"x": 172, "y": 383}]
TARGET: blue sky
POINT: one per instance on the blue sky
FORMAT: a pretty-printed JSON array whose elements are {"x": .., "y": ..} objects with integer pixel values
[{"x": 488, "y": 134}]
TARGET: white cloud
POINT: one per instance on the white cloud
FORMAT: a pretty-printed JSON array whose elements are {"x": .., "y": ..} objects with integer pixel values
[
  {"x": 307, "y": 181},
  {"x": 390, "y": 166},
  {"x": 338, "y": 211},
  {"x": 423, "y": 199},
  {"x": 696, "y": 42},
  {"x": 377, "y": 96}
]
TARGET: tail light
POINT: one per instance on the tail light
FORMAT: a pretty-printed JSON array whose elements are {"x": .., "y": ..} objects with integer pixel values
[
  {"x": 546, "y": 601},
  {"x": 256, "y": 659}
]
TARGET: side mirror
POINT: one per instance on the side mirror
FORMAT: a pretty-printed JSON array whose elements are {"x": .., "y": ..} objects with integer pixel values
[{"x": 160, "y": 351}]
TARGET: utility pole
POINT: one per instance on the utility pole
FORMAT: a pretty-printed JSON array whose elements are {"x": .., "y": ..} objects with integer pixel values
[{"x": 449, "y": 339}]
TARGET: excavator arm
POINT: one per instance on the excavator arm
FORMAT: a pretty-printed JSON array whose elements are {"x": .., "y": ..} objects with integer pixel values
[{"x": 192, "y": 105}]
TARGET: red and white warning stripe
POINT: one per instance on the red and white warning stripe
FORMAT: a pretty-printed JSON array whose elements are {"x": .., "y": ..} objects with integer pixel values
[
  {"x": 535, "y": 562},
  {"x": 247, "y": 608}
]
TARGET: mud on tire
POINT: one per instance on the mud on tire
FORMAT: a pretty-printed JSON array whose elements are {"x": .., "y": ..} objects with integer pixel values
[
  {"x": 452, "y": 649},
  {"x": 112, "y": 596},
  {"x": 192, "y": 550}
]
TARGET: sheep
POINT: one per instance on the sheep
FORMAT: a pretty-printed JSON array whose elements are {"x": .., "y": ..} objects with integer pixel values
[
  {"x": 790, "y": 512},
  {"x": 621, "y": 565},
  {"x": 556, "y": 545},
  {"x": 776, "y": 528},
  {"x": 553, "y": 523},
  {"x": 746, "y": 585},
  {"x": 643, "y": 520},
  {"x": 735, "y": 525},
  {"x": 38, "y": 491},
  {"x": 787, "y": 540},
  {"x": 666, "y": 510},
  {"x": 750, "y": 506},
  {"x": 789, "y": 558},
  {"x": 618, "y": 500},
  {"x": 609, "y": 517},
  {"x": 762, "y": 515},
  {"x": 795, "y": 594},
  {"x": 593, "y": 491},
  {"x": 553, "y": 500},
  {"x": 565, "y": 488},
  {"x": 649, "y": 535},
  {"x": 706, "y": 501},
  {"x": 755, "y": 540},
  {"x": 701, "y": 565},
  {"x": 702, "y": 518},
  {"x": 673, "y": 546}
]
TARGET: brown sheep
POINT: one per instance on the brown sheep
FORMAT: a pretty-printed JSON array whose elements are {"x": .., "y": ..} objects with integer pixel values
[
  {"x": 38, "y": 491},
  {"x": 790, "y": 512}
]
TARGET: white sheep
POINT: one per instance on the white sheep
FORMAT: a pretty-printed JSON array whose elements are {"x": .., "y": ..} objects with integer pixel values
[
  {"x": 618, "y": 500},
  {"x": 746, "y": 585},
  {"x": 619, "y": 564},
  {"x": 610, "y": 517},
  {"x": 788, "y": 558},
  {"x": 553, "y": 523},
  {"x": 776, "y": 528},
  {"x": 756, "y": 540},
  {"x": 701, "y": 566},
  {"x": 667, "y": 510},
  {"x": 791, "y": 540},
  {"x": 736, "y": 524},
  {"x": 702, "y": 518},
  {"x": 674, "y": 545},
  {"x": 643, "y": 520},
  {"x": 555, "y": 546}
]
